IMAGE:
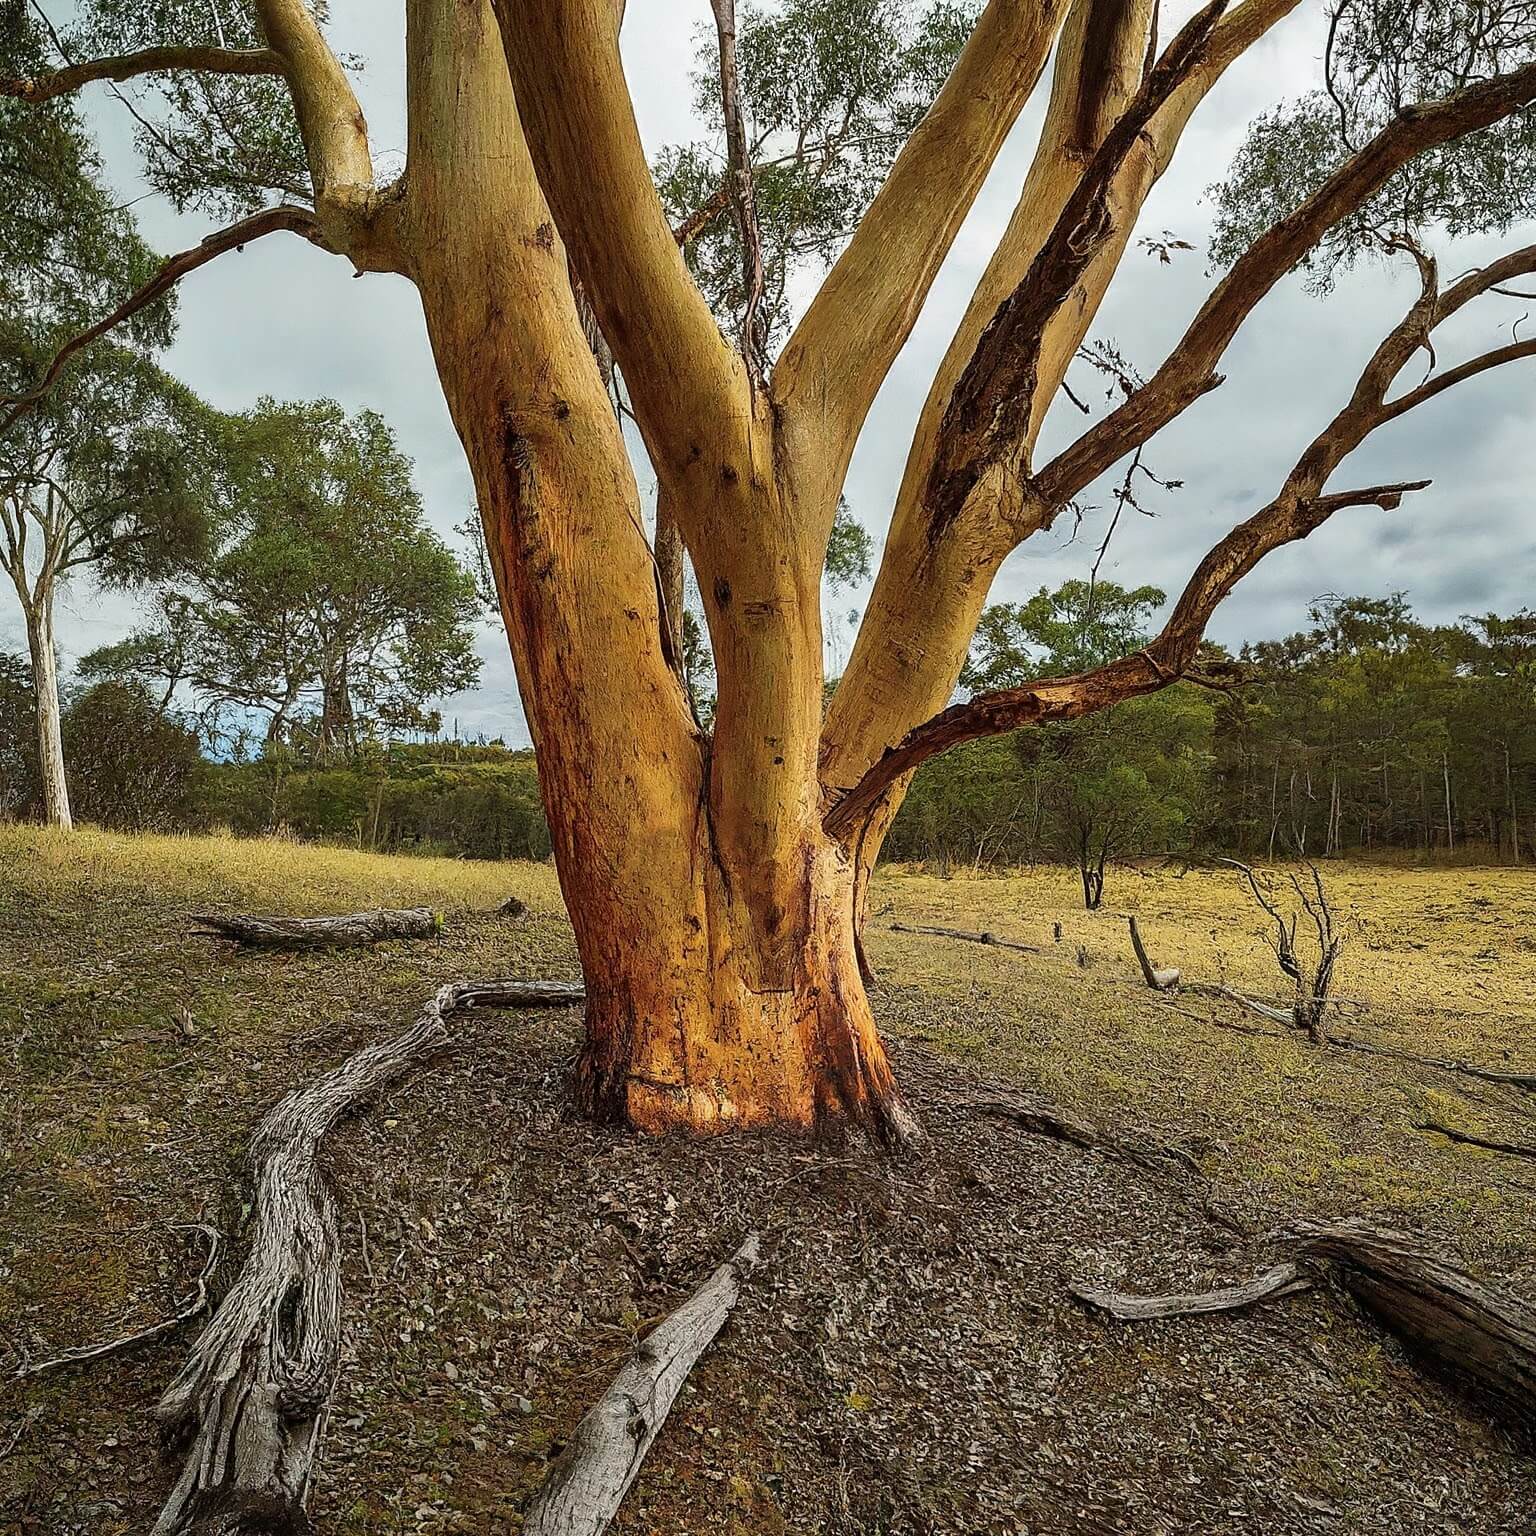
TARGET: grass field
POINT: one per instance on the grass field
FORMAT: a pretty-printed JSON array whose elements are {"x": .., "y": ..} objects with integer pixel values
[{"x": 134, "y": 1060}]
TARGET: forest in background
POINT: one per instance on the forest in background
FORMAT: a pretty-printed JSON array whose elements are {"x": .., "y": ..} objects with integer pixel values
[{"x": 1366, "y": 732}]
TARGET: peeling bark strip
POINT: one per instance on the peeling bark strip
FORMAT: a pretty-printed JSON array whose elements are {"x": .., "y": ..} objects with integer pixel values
[
  {"x": 988, "y": 414},
  {"x": 1280, "y": 1280},
  {"x": 250, "y": 1401},
  {"x": 341, "y": 932},
  {"x": 585, "y": 1487},
  {"x": 1476, "y": 1335}
]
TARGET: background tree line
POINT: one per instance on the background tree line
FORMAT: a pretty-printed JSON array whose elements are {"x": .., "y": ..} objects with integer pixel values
[{"x": 1367, "y": 732}]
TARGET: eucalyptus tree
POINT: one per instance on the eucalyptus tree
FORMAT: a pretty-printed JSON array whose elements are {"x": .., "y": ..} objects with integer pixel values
[
  {"x": 715, "y": 879},
  {"x": 89, "y": 473},
  {"x": 323, "y": 604}
]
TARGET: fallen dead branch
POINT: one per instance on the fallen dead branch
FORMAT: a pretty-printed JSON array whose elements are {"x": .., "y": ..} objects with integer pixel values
[
  {"x": 351, "y": 928},
  {"x": 1158, "y": 980},
  {"x": 584, "y": 1488},
  {"x": 1522, "y": 1080},
  {"x": 1467, "y": 1139},
  {"x": 1481, "y": 1338},
  {"x": 1280, "y": 1280},
  {"x": 1041, "y": 1117},
  {"x": 250, "y": 1401},
  {"x": 1252, "y": 1004},
  {"x": 184, "y": 1312},
  {"x": 969, "y": 935}
]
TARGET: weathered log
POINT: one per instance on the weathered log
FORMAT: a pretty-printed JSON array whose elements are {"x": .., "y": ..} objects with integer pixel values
[
  {"x": 1280, "y": 1280},
  {"x": 345, "y": 930},
  {"x": 584, "y": 1488},
  {"x": 1471, "y": 1332},
  {"x": 1480, "y": 1338},
  {"x": 968, "y": 934},
  {"x": 250, "y": 1401}
]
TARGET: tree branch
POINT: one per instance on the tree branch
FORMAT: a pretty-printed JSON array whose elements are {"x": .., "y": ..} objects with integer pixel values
[
  {"x": 1302, "y": 506},
  {"x": 1149, "y": 670},
  {"x": 928, "y": 596},
  {"x": 300, "y": 221},
  {"x": 860, "y": 319},
  {"x": 581, "y": 131},
  {"x": 127, "y": 66},
  {"x": 743, "y": 197},
  {"x": 1190, "y": 369},
  {"x": 330, "y": 119},
  {"x": 988, "y": 414}
]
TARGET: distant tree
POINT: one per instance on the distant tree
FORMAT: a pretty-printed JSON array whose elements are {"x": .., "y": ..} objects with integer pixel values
[
  {"x": 18, "y": 737},
  {"x": 327, "y": 606},
  {"x": 1077, "y": 626},
  {"x": 132, "y": 766},
  {"x": 1130, "y": 779},
  {"x": 1125, "y": 779},
  {"x": 100, "y": 471}
]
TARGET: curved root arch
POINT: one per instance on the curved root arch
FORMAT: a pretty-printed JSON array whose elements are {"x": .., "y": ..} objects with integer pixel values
[{"x": 249, "y": 1403}]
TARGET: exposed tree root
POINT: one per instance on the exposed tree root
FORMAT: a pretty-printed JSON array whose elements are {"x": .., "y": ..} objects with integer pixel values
[
  {"x": 585, "y": 1486},
  {"x": 250, "y": 1401},
  {"x": 1467, "y": 1139},
  {"x": 1477, "y": 1336},
  {"x": 1280, "y": 1280},
  {"x": 348, "y": 929},
  {"x": 1041, "y": 1117},
  {"x": 187, "y": 1310},
  {"x": 969, "y": 935}
]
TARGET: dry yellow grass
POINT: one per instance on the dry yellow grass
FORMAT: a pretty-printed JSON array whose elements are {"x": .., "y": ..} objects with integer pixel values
[
  {"x": 262, "y": 874},
  {"x": 1442, "y": 963}
]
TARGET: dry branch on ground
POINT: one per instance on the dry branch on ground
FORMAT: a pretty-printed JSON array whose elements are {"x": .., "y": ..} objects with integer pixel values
[
  {"x": 1482, "y": 1338},
  {"x": 586, "y": 1485}
]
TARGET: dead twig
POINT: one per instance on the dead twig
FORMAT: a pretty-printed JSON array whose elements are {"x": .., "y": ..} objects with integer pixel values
[
  {"x": 968, "y": 934},
  {"x": 186, "y": 1310}
]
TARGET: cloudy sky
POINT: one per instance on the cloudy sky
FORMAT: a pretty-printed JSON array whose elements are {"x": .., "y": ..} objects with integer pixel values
[{"x": 284, "y": 319}]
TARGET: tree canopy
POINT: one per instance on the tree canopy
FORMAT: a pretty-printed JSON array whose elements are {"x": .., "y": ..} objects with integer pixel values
[{"x": 326, "y": 605}]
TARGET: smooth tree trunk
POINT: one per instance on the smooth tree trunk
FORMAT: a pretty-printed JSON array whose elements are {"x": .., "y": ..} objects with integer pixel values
[
  {"x": 713, "y": 917},
  {"x": 50, "y": 738}
]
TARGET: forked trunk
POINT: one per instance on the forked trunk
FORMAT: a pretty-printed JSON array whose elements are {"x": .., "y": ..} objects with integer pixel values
[
  {"x": 694, "y": 1023},
  {"x": 713, "y": 919}
]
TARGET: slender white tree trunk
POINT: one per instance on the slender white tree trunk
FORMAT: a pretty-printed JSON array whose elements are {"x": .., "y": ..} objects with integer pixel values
[{"x": 45, "y": 683}]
